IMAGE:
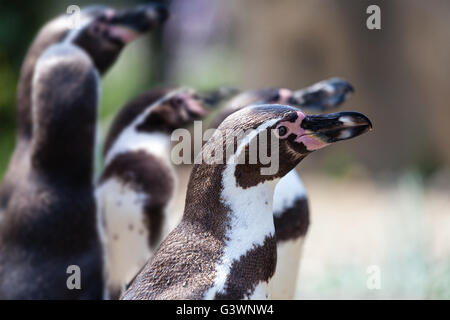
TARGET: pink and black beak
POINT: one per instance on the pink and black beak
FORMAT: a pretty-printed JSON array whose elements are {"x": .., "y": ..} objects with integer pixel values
[
  {"x": 188, "y": 104},
  {"x": 321, "y": 130},
  {"x": 315, "y": 132},
  {"x": 128, "y": 24},
  {"x": 196, "y": 108},
  {"x": 324, "y": 95}
]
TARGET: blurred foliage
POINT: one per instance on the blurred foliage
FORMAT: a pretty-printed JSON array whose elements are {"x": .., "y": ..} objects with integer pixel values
[{"x": 18, "y": 24}]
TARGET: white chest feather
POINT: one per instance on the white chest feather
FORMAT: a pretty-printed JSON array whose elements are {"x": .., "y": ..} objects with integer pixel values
[{"x": 127, "y": 247}]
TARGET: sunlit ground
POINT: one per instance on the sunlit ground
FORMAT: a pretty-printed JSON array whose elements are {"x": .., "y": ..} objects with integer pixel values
[{"x": 399, "y": 227}]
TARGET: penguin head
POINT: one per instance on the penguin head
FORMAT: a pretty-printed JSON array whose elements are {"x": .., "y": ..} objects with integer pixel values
[
  {"x": 104, "y": 31},
  {"x": 251, "y": 97},
  {"x": 262, "y": 96},
  {"x": 270, "y": 133},
  {"x": 321, "y": 96},
  {"x": 324, "y": 95},
  {"x": 177, "y": 109}
]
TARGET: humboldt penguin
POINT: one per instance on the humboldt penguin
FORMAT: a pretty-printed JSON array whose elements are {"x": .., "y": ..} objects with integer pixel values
[
  {"x": 138, "y": 181},
  {"x": 291, "y": 208},
  {"x": 49, "y": 229},
  {"x": 225, "y": 246},
  {"x": 102, "y": 34}
]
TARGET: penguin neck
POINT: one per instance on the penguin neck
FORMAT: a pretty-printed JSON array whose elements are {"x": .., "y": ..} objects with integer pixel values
[
  {"x": 250, "y": 208},
  {"x": 64, "y": 148},
  {"x": 237, "y": 215},
  {"x": 227, "y": 204},
  {"x": 72, "y": 160},
  {"x": 64, "y": 131},
  {"x": 242, "y": 220}
]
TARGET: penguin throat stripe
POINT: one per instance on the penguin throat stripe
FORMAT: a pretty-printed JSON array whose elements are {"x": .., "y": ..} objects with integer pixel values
[{"x": 250, "y": 217}]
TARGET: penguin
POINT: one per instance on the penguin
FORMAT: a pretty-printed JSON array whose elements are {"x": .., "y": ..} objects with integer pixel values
[
  {"x": 291, "y": 207},
  {"x": 138, "y": 181},
  {"x": 49, "y": 229},
  {"x": 320, "y": 96},
  {"x": 102, "y": 34},
  {"x": 225, "y": 246}
]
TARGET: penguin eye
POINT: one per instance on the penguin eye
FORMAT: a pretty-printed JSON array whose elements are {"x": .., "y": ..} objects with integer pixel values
[
  {"x": 178, "y": 102},
  {"x": 282, "y": 130},
  {"x": 276, "y": 97},
  {"x": 292, "y": 101}
]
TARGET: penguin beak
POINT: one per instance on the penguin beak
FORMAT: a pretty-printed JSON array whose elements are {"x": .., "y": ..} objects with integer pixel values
[
  {"x": 214, "y": 98},
  {"x": 128, "y": 24},
  {"x": 195, "y": 109},
  {"x": 322, "y": 130},
  {"x": 325, "y": 95}
]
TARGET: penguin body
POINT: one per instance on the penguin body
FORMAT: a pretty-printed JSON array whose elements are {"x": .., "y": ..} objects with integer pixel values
[
  {"x": 291, "y": 209},
  {"x": 50, "y": 223},
  {"x": 225, "y": 246},
  {"x": 103, "y": 34},
  {"x": 138, "y": 182}
]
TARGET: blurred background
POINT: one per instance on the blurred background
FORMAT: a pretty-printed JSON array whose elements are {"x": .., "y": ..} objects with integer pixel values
[{"x": 382, "y": 199}]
